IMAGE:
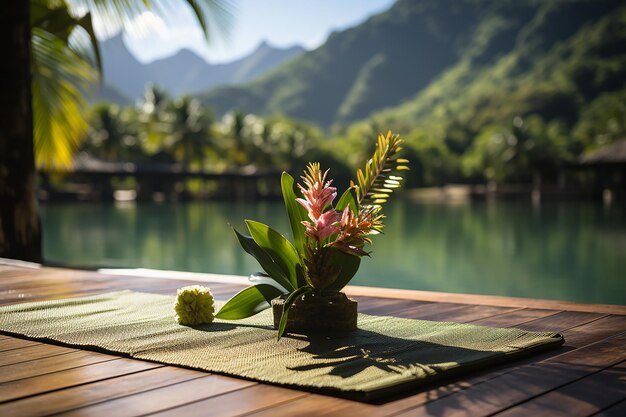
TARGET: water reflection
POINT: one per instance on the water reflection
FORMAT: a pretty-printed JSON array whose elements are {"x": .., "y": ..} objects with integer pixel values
[{"x": 568, "y": 251}]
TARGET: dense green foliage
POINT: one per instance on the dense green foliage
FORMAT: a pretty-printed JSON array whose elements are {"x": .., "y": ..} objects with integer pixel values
[
  {"x": 66, "y": 61},
  {"x": 413, "y": 46},
  {"x": 481, "y": 90},
  {"x": 161, "y": 129},
  {"x": 566, "y": 97}
]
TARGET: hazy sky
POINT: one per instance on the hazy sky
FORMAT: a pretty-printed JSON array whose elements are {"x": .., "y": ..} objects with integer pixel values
[{"x": 280, "y": 22}]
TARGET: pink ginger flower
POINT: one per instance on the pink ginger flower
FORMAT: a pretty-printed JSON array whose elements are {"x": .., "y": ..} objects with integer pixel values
[
  {"x": 324, "y": 226},
  {"x": 353, "y": 231},
  {"x": 318, "y": 194}
]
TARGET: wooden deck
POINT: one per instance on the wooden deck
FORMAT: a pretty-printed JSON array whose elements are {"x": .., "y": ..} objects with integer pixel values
[{"x": 587, "y": 376}]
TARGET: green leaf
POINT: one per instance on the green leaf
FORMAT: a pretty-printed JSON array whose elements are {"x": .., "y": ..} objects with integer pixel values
[
  {"x": 347, "y": 264},
  {"x": 279, "y": 249},
  {"x": 297, "y": 213},
  {"x": 378, "y": 177},
  {"x": 265, "y": 260},
  {"x": 348, "y": 199},
  {"x": 248, "y": 302},
  {"x": 60, "y": 75},
  {"x": 288, "y": 303},
  {"x": 210, "y": 13}
]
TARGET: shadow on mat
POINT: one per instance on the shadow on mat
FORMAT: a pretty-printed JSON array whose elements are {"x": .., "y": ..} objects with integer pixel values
[{"x": 348, "y": 355}]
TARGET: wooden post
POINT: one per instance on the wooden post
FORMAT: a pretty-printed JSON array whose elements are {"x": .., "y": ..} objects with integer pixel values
[{"x": 20, "y": 230}]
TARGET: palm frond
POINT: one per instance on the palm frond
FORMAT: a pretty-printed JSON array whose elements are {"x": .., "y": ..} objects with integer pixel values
[
  {"x": 63, "y": 67},
  {"x": 381, "y": 174},
  {"x": 59, "y": 75},
  {"x": 213, "y": 16},
  {"x": 57, "y": 19}
]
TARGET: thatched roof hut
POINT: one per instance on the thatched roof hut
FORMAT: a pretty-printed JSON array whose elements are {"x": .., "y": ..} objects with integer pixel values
[{"x": 613, "y": 154}]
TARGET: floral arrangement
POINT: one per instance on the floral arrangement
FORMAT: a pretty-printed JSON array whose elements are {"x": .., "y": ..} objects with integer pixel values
[{"x": 328, "y": 240}]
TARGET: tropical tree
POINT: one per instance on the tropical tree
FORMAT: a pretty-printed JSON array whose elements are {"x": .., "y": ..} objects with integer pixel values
[
  {"x": 112, "y": 133},
  {"x": 236, "y": 136},
  {"x": 20, "y": 235},
  {"x": 66, "y": 62},
  {"x": 517, "y": 152},
  {"x": 64, "y": 59},
  {"x": 602, "y": 122},
  {"x": 189, "y": 132},
  {"x": 153, "y": 116}
]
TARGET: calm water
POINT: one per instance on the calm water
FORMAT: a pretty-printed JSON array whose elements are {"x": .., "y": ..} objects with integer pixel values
[{"x": 566, "y": 251}]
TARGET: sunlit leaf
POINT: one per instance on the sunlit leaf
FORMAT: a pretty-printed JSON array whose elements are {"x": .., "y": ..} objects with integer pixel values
[
  {"x": 378, "y": 178},
  {"x": 279, "y": 249},
  {"x": 263, "y": 278},
  {"x": 265, "y": 260},
  {"x": 348, "y": 199},
  {"x": 297, "y": 213},
  {"x": 248, "y": 302},
  {"x": 59, "y": 74}
]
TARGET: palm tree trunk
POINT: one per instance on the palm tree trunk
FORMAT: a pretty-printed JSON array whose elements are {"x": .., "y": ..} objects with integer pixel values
[{"x": 20, "y": 232}]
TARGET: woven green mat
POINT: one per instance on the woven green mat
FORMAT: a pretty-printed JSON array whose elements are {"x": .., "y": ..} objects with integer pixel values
[{"x": 384, "y": 356}]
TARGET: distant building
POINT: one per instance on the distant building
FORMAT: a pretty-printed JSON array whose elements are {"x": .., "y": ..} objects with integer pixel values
[{"x": 609, "y": 167}]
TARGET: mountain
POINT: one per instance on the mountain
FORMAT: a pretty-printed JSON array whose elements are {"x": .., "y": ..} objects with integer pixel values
[
  {"x": 121, "y": 70},
  {"x": 556, "y": 65},
  {"x": 421, "y": 55},
  {"x": 182, "y": 73}
]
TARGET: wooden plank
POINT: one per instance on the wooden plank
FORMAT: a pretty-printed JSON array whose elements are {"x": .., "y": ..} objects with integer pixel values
[
  {"x": 15, "y": 343},
  {"x": 460, "y": 313},
  {"x": 71, "y": 377},
  {"x": 236, "y": 403},
  {"x": 524, "y": 383},
  {"x": 24, "y": 292},
  {"x": 49, "y": 365},
  {"x": 617, "y": 410},
  {"x": 581, "y": 398},
  {"x": 428, "y": 296},
  {"x": 384, "y": 306},
  {"x": 368, "y": 302},
  {"x": 561, "y": 321},
  {"x": 16, "y": 263},
  {"x": 41, "y": 295},
  {"x": 30, "y": 353},
  {"x": 515, "y": 317},
  {"x": 163, "y": 398},
  {"x": 422, "y": 311},
  {"x": 468, "y": 313},
  {"x": 595, "y": 330},
  {"x": 313, "y": 405},
  {"x": 100, "y": 391},
  {"x": 475, "y": 299}
]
